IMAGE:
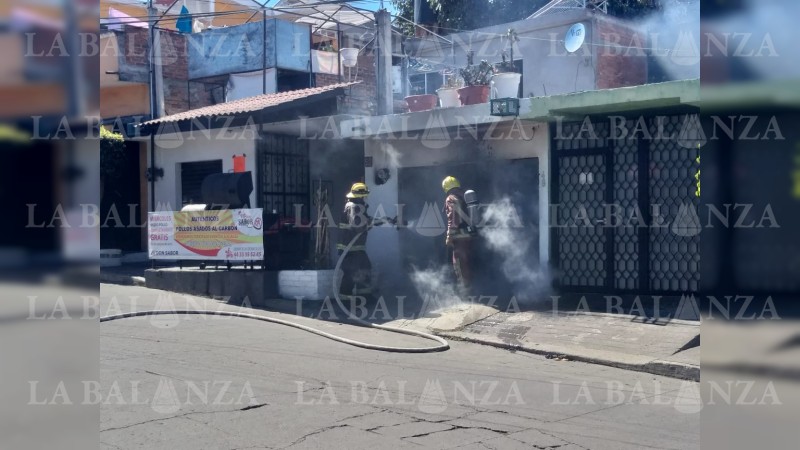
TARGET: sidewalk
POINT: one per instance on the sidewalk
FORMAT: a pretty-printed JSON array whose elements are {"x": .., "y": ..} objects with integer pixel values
[
  {"x": 668, "y": 348},
  {"x": 623, "y": 341},
  {"x": 665, "y": 347},
  {"x": 126, "y": 274}
]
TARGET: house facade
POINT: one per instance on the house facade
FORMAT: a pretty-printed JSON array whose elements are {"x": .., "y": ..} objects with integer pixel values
[
  {"x": 215, "y": 67},
  {"x": 597, "y": 208},
  {"x": 602, "y": 172}
]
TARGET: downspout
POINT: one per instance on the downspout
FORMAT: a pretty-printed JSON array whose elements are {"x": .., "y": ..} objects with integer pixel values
[
  {"x": 264, "y": 51},
  {"x": 151, "y": 12}
]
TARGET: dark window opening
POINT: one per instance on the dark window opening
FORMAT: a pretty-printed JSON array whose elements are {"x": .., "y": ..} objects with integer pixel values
[
  {"x": 192, "y": 176},
  {"x": 289, "y": 80},
  {"x": 425, "y": 83}
]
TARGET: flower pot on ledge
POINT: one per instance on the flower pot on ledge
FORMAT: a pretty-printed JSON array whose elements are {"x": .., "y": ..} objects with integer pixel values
[
  {"x": 473, "y": 95},
  {"x": 505, "y": 85},
  {"x": 448, "y": 97},
  {"x": 422, "y": 102}
]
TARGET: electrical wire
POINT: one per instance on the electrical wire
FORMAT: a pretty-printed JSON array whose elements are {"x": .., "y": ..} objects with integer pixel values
[
  {"x": 287, "y": 10},
  {"x": 561, "y": 41},
  {"x": 443, "y": 345}
]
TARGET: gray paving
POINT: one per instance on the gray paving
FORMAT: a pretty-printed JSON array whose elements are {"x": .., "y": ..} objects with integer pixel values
[{"x": 198, "y": 382}]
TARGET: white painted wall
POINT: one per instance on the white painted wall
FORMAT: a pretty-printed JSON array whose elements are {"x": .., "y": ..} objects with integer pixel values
[
  {"x": 174, "y": 149},
  {"x": 383, "y": 243}
]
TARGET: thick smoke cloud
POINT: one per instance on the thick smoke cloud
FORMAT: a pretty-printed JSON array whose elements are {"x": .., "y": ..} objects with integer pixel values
[
  {"x": 673, "y": 34},
  {"x": 506, "y": 236},
  {"x": 435, "y": 288}
]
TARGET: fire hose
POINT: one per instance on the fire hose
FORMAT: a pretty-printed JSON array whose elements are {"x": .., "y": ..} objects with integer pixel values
[{"x": 443, "y": 345}]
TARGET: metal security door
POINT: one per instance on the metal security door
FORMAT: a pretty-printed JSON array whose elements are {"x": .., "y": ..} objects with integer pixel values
[
  {"x": 625, "y": 209},
  {"x": 283, "y": 175},
  {"x": 583, "y": 245}
]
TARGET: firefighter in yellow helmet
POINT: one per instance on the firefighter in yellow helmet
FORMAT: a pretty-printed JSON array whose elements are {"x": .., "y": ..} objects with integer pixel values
[
  {"x": 458, "y": 237},
  {"x": 356, "y": 267}
]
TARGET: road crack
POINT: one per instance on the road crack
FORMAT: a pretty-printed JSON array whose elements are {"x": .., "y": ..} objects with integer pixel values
[
  {"x": 318, "y": 431},
  {"x": 178, "y": 416}
]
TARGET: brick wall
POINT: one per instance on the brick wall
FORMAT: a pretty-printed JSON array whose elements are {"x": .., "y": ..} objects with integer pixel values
[
  {"x": 326, "y": 79},
  {"x": 621, "y": 62},
  {"x": 133, "y": 45},
  {"x": 179, "y": 94},
  {"x": 361, "y": 98}
]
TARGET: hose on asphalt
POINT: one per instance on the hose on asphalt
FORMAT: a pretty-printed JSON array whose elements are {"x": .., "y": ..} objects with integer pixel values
[{"x": 442, "y": 344}]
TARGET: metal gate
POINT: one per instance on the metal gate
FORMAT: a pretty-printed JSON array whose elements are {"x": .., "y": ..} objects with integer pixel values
[
  {"x": 624, "y": 205},
  {"x": 283, "y": 175}
]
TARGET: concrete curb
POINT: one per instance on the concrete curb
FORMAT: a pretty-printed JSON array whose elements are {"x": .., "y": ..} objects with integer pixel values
[
  {"x": 116, "y": 278},
  {"x": 637, "y": 363},
  {"x": 670, "y": 369}
]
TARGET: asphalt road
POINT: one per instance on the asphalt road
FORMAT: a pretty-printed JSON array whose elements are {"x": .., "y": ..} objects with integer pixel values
[{"x": 171, "y": 382}]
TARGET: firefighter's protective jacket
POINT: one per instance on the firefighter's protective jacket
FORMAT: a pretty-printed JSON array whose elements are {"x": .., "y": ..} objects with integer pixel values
[
  {"x": 455, "y": 208},
  {"x": 354, "y": 220}
]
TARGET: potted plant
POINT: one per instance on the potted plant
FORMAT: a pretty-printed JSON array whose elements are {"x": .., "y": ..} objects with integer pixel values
[
  {"x": 448, "y": 93},
  {"x": 421, "y": 102},
  {"x": 476, "y": 81},
  {"x": 505, "y": 81}
]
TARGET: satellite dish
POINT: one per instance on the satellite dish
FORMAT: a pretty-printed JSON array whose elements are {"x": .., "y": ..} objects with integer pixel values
[{"x": 574, "y": 37}]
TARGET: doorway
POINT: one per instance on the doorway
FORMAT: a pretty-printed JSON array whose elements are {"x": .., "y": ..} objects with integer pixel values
[
  {"x": 121, "y": 199},
  {"x": 420, "y": 193}
]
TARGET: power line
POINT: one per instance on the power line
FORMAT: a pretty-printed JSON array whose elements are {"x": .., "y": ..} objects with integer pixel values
[
  {"x": 288, "y": 11},
  {"x": 533, "y": 38}
]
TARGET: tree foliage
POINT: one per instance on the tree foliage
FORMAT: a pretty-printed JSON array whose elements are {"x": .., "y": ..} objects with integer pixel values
[
  {"x": 456, "y": 15},
  {"x": 632, "y": 9},
  {"x": 112, "y": 154}
]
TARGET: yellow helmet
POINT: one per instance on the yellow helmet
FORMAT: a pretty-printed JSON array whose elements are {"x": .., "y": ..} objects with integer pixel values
[
  {"x": 450, "y": 183},
  {"x": 358, "y": 190}
]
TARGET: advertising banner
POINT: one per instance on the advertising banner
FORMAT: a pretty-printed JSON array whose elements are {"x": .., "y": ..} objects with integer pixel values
[{"x": 225, "y": 235}]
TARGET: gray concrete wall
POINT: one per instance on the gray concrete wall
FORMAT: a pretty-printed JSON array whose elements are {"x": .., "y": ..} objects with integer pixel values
[
  {"x": 235, "y": 286},
  {"x": 547, "y": 68}
]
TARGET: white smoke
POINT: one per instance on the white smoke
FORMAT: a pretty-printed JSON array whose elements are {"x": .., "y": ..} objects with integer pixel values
[
  {"x": 389, "y": 156},
  {"x": 506, "y": 235},
  {"x": 673, "y": 34},
  {"x": 436, "y": 288},
  {"x": 762, "y": 36}
]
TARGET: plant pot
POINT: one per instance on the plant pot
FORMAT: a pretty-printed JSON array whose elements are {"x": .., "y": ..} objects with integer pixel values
[
  {"x": 505, "y": 85},
  {"x": 422, "y": 102},
  {"x": 349, "y": 56},
  {"x": 448, "y": 97},
  {"x": 472, "y": 95}
]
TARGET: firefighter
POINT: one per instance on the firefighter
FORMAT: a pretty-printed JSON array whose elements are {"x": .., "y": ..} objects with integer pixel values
[
  {"x": 459, "y": 239},
  {"x": 356, "y": 267}
]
